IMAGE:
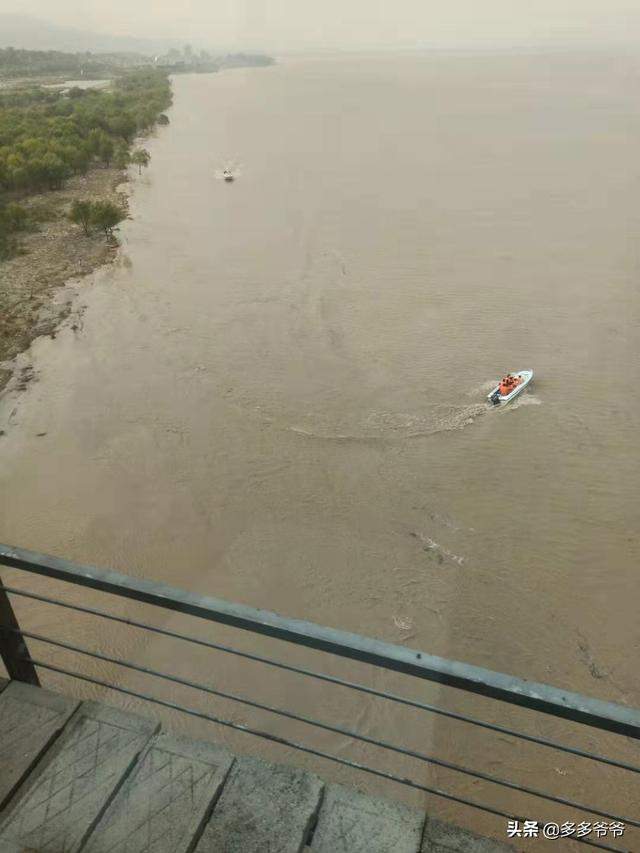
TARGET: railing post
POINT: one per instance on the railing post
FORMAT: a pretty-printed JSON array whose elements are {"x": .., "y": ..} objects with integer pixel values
[{"x": 13, "y": 648}]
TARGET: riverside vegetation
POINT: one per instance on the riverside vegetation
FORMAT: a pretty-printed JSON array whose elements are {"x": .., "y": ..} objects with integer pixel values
[
  {"x": 47, "y": 137},
  {"x": 62, "y": 156},
  {"x": 56, "y": 66},
  {"x": 19, "y": 64}
]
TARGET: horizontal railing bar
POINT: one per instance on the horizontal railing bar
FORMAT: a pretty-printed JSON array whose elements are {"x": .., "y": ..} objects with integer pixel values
[
  {"x": 240, "y": 727},
  {"x": 544, "y": 698},
  {"x": 423, "y": 706},
  {"x": 420, "y": 756}
]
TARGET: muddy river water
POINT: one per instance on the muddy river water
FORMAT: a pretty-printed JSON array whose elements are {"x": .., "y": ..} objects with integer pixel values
[{"x": 276, "y": 396}]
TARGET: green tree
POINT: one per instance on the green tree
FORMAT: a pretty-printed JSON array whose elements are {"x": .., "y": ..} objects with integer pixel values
[
  {"x": 141, "y": 158},
  {"x": 53, "y": 170},
  {"x": 80, "y": 158},
  {"x": 94, "y": 139},
  {"x": 107, "y": 216},
  {"x": 121, "y": 156},
  {"x": 123, "y": 125},
  {"x": 106, "y": 150},
  {"x": 12, "y": 218},
  {"x": 7, "y": 243},
  {"x": 82, "y": 214},
  {"x": 16, "y": 217}
]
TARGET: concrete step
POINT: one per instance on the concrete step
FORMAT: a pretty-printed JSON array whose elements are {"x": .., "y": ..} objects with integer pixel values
[
  {"x": 264, "y": 808},
  {"x": 92, "y": 779},
  {"x": 351, "y": 822},
  {"x": 71, "y": 786},
  {"x": 165, "y": 801},
  {"x": 30, "y": 720},
  {"x": 442, "y": 837}
]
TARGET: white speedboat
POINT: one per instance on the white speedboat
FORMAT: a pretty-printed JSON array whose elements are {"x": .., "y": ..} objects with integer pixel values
[
  {"x": 227, "y": 175},
  {"x": 509, "y": 387}
]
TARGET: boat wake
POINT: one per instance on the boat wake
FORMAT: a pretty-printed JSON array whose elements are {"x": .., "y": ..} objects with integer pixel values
[
  {"x": 523, "y": 400},
  {"x": 387, "y": 426},
  {"x": 439, "y": 419},
  {"x": 482, "y": 390},
  {"x": 439, "y": 550}
]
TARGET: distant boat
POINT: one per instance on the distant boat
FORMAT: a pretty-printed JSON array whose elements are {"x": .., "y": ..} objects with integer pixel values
[{"x": 228, "y": 175}]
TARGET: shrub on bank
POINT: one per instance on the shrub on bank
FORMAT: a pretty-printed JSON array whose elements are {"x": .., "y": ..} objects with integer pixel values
[
  {"x": 104, "y": 215},
  {"x": 13, "y": 218},
  {"x": 141, "y": 158}
]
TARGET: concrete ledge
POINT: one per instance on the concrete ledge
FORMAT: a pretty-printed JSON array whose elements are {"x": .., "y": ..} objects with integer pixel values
[
  {"x": 351, "y": 822},
  {"x": 72, "y": 785},
  {"x": 30, "y": 720},
  {"x": 445, "y": 838},
  {"x": 164, "y": 803},
  {"x": 97, "y": 780},
  {"x": 264, "y": 808}
]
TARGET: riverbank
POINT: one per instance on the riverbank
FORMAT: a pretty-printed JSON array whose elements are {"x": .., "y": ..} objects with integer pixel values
[
  {"x": 56, "y": 251},
  {"x": 62, "y": 148}
]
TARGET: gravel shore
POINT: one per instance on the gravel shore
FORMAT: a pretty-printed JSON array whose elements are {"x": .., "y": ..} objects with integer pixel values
[{"x": 51, "y": 255}]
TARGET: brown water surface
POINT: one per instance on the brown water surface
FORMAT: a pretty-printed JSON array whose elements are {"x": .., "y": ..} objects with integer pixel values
[{"x": 277, "y": 395}]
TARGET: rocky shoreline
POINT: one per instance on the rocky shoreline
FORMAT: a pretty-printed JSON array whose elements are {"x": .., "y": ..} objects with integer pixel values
[{"x": 52, "y": 254}]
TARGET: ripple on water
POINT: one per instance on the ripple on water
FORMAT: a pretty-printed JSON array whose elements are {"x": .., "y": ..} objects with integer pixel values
[
  {"x": 404, "y": 623},
  {"x": 380, "y": 425},
  {"x": 389, "y": 425},
  {"x": 523, "y": 400}
]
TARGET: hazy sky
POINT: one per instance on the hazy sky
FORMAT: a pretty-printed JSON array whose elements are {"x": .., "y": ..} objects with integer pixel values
[{"x": 300, "y": 24}]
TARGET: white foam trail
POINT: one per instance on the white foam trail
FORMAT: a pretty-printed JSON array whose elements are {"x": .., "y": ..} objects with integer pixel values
[
  {"x": 386, "y": 425},
  {"x": 484, "y": 388},
  {"x": 524, "y": 400},
  {"x": 434, "y": 546},
  {"x": 405, "y": 623}
]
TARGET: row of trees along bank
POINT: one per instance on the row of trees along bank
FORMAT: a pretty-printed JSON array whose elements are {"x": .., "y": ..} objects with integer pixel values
[{"x": 46, "y": 137}]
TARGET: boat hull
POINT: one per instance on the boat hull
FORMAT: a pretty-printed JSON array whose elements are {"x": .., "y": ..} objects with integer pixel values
[{"x": 525, "y": 375}]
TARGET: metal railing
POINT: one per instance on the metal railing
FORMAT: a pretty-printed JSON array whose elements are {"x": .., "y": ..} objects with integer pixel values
[{"x": 21, "y": 665}]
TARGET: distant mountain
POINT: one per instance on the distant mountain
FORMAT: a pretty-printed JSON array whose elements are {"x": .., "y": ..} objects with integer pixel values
[{"x": 21, "y": 31}]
